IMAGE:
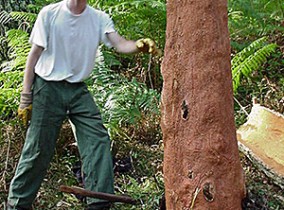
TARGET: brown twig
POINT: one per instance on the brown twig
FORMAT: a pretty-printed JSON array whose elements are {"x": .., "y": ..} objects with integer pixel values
[{"x": 149, "y": 69}]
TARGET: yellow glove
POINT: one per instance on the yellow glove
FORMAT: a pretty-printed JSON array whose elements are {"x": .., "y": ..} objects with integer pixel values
[
  {"x": 147, "y": 45},
  {"x": 25, "y": 108}
]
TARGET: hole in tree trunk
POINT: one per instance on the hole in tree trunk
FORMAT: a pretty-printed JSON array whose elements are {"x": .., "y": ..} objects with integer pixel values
[
  {"x": 190, "y": 174},
  {"x": 208, "y": 192},
  {"x": 184, "y": 112}
]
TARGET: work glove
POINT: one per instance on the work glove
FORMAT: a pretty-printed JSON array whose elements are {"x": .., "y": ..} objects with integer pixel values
[
  {"x": 147, "y": 45},
  {"x": 25, "y": 108}
]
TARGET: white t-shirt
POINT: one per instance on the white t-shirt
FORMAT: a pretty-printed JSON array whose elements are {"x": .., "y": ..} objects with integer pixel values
[{"x": 70, "y": 41}]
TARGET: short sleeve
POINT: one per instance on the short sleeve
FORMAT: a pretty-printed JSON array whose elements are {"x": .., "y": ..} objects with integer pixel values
[
  {"x": 107, "y": 26},
  {"x": 39, "y": 35}
]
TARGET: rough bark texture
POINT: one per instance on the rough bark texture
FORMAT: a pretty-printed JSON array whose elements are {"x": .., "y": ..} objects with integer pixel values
[{"x": 201, "y": 163}]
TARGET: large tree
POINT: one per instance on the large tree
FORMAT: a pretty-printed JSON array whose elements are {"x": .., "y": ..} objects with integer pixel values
[{"x": 201, "y": 163}]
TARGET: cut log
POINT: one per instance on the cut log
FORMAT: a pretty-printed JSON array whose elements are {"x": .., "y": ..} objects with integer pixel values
[
  {"x": 100, "y": 195},
  {"x": 261, "y": 139}
]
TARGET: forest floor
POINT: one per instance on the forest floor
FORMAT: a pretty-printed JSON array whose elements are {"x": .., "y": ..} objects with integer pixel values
[
  {"x": 262, "y": 193},
  {"x": 142, "y": 180}
]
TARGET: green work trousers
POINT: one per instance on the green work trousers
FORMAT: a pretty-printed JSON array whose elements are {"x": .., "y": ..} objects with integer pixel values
[{"x": 52, "y": 103}]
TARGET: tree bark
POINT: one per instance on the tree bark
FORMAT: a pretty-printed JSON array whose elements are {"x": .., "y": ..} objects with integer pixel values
[{"x": 201, "y": 162}]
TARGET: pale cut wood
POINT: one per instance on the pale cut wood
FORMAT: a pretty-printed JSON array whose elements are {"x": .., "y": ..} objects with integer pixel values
[
  {"x": 276, "y": 178},
  {"x": 261, "y": 139}
]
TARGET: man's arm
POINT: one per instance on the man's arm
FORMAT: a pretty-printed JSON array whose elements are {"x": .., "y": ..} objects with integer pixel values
[
  {"x": 25, "y": 108},
  {"x": 122, "y": 45},
  {"x": 30, "y": 65}
]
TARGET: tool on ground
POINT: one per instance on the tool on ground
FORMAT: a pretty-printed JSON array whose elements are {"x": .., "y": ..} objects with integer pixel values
[{"x": 100, "y": 195}]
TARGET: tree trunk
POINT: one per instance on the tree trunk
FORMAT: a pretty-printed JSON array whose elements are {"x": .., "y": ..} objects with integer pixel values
[{"x": 201, "y": 162}]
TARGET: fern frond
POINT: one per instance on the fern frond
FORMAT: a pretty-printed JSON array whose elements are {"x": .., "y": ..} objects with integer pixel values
[
  {"x": 18, "y": 41},
  {"x": 10, "y": 85},
  {"x": 250, "y": 59},
  {"x": 241, "y": 56},
  {"x": 122, "y": 102},
  {"x": 24, "y": 16},
  {"x": 5, "y": 17}
]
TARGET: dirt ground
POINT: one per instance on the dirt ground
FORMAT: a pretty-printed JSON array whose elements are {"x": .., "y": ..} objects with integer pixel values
[{"x": 262, "y": 193}]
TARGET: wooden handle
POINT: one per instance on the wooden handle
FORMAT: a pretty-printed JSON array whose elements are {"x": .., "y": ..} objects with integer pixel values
[{"x": 100, "y": 195}]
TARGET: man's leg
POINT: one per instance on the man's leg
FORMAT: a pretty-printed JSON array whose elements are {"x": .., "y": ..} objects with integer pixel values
[
  {"x": 93, "y": 143},
  {"x": 38, "y": 150}
]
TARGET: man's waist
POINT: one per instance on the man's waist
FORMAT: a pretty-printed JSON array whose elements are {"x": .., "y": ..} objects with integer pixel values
[{"x": 64, "y": 81}]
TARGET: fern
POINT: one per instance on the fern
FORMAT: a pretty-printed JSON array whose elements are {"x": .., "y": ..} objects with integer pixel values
[
  {"x": 14, "y": 54},
  {"x": 3, "y": 49},
  {"x": 20, "y": 17},
  {"x": 250, "y": 59},
  {"x": 5, "y": 17},
  {"x": 24, "y": 16},
  {"x": 122, "y": 102},
  {"x": 135, "y": 19},
  {"x": 10, "y": 85},
  {"x": 20, "y": 47},
  {"x": 250, "y": 19}
]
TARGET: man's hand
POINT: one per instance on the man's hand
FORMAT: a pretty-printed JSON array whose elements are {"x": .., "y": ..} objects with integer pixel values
[
  {"x": 25, "y": 108},
  {"x": 147, "y": 45}
]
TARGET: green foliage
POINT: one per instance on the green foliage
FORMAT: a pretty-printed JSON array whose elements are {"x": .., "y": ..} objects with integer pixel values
[
  {"x": 148, "y": 191},
  {"x": 10, "y": 85},
  {"x": 15, "y": 19},
  {"x": 250, "y": 59},
  {"x": 14, "y": 41},
  {"x": 19, "y": 46},
  {"x": 15, "y": 5},
  {"x": 3, "y": 49},
  {"x": 130, "y": 107},
  {"x": 254, "y": 18},
  {"x": 265, "y": 86},
  {"x": 122, "y": 101},
  {"x": 41, "y": 3},
  {"x": 5, "y": 17},
  {"x": 135, "y": 19},
  {"x": 25, "y": 17}
]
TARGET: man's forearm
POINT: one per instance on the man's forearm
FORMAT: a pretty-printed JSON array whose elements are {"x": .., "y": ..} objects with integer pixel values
[
  {"x": 28, "y": 80},
  {"x": 127, "y": 47},
  {"x": 30, "y": 65},
  {"x": 122, "y": 45}
]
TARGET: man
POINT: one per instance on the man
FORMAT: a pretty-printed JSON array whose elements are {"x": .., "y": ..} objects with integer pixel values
[{"x": 64, "y": 42}]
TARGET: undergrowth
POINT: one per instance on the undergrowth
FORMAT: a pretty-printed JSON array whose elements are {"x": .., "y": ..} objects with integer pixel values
[
  {"x": 131, "y": 108},
  {"x": 142, "y": 179}
]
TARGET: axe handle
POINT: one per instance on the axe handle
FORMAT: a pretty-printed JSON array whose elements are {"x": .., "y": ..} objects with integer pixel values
[{"x": 100, "y": 195}]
